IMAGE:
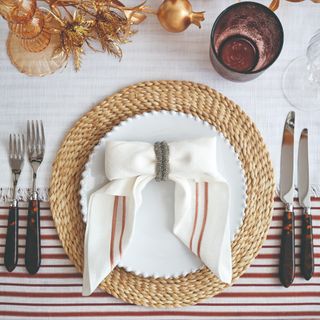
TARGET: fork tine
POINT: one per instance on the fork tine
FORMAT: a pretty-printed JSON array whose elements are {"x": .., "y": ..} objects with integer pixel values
[
  {"x": 28, "y": 136},
  {"x": 10, "y": 146},
  {"x": 23, "y": 145},
  {"x": 18, "y": 146},
  {"x": 32, "y": 135},
  {"x": 14, "y": 146},
  {"x": 38, "y": 138},
  {"x": 43, "y": 140}
]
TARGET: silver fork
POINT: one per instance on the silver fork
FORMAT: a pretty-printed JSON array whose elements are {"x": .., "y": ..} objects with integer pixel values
[
  {"x": 35, "y": 150},
  {"x": 16, "y": 160}
]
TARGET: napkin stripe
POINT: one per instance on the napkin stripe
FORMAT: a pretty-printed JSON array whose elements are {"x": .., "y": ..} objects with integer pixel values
[
  {"x": 113, "y": 230},
  {"x": 204, "y": 219},
  {"x": 123, "y": 224},
  {"x": 195, "y": 215}
]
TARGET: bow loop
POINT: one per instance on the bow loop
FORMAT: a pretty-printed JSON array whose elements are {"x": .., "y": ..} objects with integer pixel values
[{"x": 125, "y": 160}]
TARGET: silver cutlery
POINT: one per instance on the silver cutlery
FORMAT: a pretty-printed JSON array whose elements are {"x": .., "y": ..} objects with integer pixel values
[
  {"x": 287, "y": 254},
  {"x": 35, "y": 150},
  {"x": 16, "y": 160},
  {"x": 306, "y": 255}
]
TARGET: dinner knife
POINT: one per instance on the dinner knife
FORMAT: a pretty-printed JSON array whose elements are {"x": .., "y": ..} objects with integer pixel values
[
  {"x": 306, "y": 255},
  {"x": 287, "y": 263}
]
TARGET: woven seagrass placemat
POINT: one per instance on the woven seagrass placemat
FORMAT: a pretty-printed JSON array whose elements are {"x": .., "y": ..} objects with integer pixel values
[{"x": 191, "y": 98}]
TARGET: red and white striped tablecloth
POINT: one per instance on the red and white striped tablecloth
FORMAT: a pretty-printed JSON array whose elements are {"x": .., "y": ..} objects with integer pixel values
[{"x": 55, "y": 292}]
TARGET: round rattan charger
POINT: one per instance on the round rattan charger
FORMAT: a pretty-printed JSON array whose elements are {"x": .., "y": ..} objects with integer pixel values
[{"x": 191, "y": 98}]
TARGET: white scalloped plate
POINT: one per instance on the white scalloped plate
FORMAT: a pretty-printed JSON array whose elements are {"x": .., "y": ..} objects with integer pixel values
[{"x": 154, "y": 250}]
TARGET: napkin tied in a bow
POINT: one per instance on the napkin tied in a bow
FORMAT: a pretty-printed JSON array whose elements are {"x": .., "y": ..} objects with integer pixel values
[{"x": 201, "y": 219}]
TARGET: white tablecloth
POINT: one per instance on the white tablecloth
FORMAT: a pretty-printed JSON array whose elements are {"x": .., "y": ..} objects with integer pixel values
[{"x": 60, "y": 99}]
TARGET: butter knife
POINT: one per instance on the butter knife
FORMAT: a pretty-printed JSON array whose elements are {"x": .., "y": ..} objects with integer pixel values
[
  {"x": 287, "y": 263},
  {"x": 306, "y": 255}
]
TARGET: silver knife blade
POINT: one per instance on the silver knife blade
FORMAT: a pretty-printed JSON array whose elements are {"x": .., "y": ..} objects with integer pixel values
[
  {"x": 303, "y": 171},
  {"x": 287, "y": 158}
]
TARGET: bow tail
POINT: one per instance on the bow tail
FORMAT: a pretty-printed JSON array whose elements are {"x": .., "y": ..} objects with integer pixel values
[
  {"x": 110, "y": 224},
  {"x": 202, "y": 224}
]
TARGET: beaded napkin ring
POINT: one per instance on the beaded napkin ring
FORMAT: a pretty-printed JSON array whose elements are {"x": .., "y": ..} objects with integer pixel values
[{"x": 161, "y": 150}]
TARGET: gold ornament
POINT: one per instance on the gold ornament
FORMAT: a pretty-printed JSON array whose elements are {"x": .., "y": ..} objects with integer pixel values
[{"x": 177, "y": 15}]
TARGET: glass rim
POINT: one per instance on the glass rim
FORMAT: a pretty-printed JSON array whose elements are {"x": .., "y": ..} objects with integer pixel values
[{"x": 264, "y": 8}]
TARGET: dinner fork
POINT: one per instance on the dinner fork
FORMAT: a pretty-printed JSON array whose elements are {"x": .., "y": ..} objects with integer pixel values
[
  {"x": 35, "y": 150},
  {"x": 16, "y": 159}
]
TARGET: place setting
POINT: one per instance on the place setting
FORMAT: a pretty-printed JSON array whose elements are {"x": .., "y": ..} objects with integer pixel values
[
  {"x": 165, "y": 193},
  {"x": 205, "y": 126}
]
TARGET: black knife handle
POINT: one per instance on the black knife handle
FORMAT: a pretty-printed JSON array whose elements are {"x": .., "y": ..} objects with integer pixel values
[
  {"x": 11, "y": 249},
  {"x": 287, "y": 254},
  {"x": 307, "y": 261},
  {"x": 33, "y": 244}
]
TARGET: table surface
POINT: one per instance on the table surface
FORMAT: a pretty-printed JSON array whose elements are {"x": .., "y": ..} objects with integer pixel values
[{"x": 60, "y": 99}]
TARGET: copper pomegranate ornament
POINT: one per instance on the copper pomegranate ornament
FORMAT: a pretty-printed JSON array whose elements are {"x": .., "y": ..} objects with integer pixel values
[{"x": 177, "y": 15}]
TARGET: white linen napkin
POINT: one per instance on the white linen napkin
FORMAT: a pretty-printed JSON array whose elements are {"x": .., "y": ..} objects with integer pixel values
[{"x": 201, "y": 206}]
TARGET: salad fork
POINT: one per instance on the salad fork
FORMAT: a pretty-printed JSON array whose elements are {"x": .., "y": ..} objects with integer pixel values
[
  {"x": 35, "y": 150},
  {"x": 16, "y": 159}
]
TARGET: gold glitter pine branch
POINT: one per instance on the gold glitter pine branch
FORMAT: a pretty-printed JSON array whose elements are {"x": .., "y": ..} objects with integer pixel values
[{"x": 42, "y": 39}]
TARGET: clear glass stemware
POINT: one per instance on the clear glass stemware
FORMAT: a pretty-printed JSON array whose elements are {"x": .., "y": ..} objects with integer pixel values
[{"x": 301, "y": 79}]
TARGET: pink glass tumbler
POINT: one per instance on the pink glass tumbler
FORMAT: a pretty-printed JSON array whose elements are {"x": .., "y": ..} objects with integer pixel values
[{"x": 246, "y": 39}]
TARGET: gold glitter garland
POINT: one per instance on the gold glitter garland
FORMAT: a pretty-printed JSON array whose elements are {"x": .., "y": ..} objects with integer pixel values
[{"x": 41, "y": 39}]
